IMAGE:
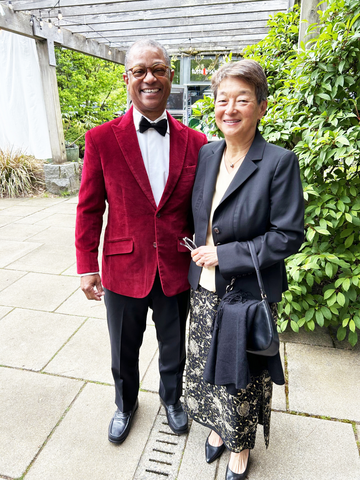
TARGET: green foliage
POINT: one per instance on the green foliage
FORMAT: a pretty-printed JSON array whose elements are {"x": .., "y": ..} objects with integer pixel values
[
  {"x": 313, "y": 109},
  {"x": 20, "y": 174},
  {"x": 92, "y": 91}
]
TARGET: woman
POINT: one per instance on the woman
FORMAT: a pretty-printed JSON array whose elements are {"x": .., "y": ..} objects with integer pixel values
[{"x": 245, "y": 189}]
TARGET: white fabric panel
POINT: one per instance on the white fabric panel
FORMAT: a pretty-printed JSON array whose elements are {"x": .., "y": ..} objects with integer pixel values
[{"x": 23, "y": 123}]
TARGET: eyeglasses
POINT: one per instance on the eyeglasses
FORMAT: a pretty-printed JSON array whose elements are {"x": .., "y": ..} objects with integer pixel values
[
  {"x": 189, "y": 244},
  {"x": 157, "y": 70}
]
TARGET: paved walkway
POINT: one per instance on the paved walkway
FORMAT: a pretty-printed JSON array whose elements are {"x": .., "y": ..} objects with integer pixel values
[{"x": 57, "y": 397}]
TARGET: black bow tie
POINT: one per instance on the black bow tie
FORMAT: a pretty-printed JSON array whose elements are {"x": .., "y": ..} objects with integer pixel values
[{"x": 161, "y": 126}]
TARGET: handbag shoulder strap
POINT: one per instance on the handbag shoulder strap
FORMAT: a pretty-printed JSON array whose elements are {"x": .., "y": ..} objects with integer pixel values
[{"x": 257, "y": 269}]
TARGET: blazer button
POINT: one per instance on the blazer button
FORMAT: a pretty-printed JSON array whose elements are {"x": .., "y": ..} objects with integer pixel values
[
  {"x": 216, "y": 230},
  {"x": 158, "y": 215},
  {"x": 154, "y": 244},
  {"x": 217, "y": 244}
]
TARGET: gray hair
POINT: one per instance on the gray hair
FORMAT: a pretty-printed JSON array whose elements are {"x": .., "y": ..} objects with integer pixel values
[
  {"x": 248, "y": 70},
  {"x": 146, "y": 43}
]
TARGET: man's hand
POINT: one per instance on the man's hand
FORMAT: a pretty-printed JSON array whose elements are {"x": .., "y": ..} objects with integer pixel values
[
  {"x": 91, "y": 286},
  {"x": 205, "y": 256}
]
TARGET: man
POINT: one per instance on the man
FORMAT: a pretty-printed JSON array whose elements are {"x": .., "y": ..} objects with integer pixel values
[{"x": 145, "y": 172}]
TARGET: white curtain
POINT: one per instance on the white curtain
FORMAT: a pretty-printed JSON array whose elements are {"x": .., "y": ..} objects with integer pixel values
[{"x": 23, "y": 123}]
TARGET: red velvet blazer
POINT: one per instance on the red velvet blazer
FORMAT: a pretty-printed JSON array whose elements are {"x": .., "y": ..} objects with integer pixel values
[{"x": 140, "y": 237}]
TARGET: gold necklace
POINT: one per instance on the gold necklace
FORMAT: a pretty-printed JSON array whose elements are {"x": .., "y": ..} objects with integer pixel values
[{"x": 238, "y": 160}]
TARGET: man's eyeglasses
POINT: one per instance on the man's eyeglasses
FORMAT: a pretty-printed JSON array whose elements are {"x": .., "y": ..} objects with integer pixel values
[{"x": 157, "y": 70}]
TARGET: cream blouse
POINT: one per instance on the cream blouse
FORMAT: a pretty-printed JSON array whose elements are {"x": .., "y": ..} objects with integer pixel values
[{"x": 224, "y": 178}]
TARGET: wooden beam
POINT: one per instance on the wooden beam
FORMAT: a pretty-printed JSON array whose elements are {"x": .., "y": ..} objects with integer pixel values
[
  {"x": 308, "y": 16},
  {"x": 52, "y": 104},
  {"x": 18, "y": 22},
  {"x": 85, "y": 7},
  {"x": 155, "y": 9},
  {"x": 160, "y": 34},
  {"x": 241, "y": 19}
]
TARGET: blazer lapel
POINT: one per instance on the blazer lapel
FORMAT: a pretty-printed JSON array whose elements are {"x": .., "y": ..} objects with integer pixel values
[
  {"x": 126, "y": 137},
  {"x": 178, "y": 145},
  {"x": 248, "y": 167},
  {"x": 211, "y": 173}
]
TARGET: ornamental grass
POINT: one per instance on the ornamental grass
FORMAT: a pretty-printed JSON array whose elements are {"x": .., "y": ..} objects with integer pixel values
[{"x": 20, "y": 174}]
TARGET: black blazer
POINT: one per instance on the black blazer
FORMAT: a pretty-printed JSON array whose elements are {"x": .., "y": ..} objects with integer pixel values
[{"x": 263, "y": 203}]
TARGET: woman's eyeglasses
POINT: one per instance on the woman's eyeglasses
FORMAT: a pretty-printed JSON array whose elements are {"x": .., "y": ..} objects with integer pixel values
[{"x": 157, "y": 70}]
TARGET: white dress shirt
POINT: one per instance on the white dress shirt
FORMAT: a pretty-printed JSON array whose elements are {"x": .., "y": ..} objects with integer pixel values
[{"x": 155, "y": 151}]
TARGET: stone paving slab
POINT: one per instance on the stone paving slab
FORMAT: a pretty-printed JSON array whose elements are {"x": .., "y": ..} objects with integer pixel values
[
  {"x": 79, "y": 448},
  {"x": 19, "y": 210},
  {"x": 303, "y": 448},
  {"x": 46, "y": 259},
  {"x": 30, "y": 338},
  {"x": 6, "y": 219},
  {"x": 324, "y": 381},
  {"x": 34, "y": 218},
  {"x": 38, "y": 291},
  {"x": 71, "y": 271},
  {"x": 42, "y": 202},
  {"x": 7, "y": 277},
  {"x": 55, "y": 236},
  {"x": 4, "y": 311},
  {"x": 12, "y": 231},
  {"x": 193, "y": 465},
  {"x": 58, "y": 220},
  {"x": 31, "y": 405},
  {"x": 11, "y": 251},
  {"x": 86, "y": 355},
  {"x": 65, "y": 207},
  {"x": 72, "y": 199},
  {"x": 78, "y": 304}
]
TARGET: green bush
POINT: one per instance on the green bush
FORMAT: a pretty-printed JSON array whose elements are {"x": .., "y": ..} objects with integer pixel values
[
  {"x": 91, "y": 91},
  {"x": 20, "y": 174},
  {"x": 313, "y": 109}
]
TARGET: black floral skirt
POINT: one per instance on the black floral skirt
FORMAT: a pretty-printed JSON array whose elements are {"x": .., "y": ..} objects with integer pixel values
[{"x": 233, "y": 417}]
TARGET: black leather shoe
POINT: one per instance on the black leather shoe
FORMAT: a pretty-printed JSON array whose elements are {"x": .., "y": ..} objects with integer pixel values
[
  {"x": 120, "y": 424},
  {"x": 176, "y": 417},
  {"x": 230, "y": 475},
  {"x": 212, "y": 453}
]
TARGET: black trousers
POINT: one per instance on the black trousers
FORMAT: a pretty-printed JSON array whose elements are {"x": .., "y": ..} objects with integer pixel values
[{"x": 126, "y": 318}]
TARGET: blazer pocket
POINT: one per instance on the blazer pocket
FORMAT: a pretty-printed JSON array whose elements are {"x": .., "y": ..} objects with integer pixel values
[
  {"x": 182, "y": 248},
  {"x": 189, "y": 170},
  {"x": 118, "y": 247}
]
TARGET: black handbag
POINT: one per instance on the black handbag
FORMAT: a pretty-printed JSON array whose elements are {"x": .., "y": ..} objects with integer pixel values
[{"x": 262, "y": 335}]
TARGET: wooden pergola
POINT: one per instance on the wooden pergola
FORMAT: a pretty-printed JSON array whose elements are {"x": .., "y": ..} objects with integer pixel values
[{"x": 106, "y": 28}]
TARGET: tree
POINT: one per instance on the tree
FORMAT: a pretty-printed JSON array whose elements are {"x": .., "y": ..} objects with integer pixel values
[
  {"x": 91, "y": 91},
  {"x": 314, "y": 110}
]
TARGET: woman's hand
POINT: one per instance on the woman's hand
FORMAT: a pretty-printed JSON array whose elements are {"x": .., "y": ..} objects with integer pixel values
[{"x": 205, "y": 256}]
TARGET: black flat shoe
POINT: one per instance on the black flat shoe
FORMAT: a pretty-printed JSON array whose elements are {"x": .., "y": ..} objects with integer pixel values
[
  {"x": 212, "y": 453},
  {"x": 120, "y": 424},
  {"x": 176, "y": 417},
  {"x": 230, "y": 475}
]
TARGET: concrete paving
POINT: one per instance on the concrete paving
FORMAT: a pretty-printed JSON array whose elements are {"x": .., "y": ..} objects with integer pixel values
[{"x": 57, "y": 394}]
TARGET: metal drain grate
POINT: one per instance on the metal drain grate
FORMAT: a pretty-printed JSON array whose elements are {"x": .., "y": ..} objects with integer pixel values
[{"x": 163, "y": 452}]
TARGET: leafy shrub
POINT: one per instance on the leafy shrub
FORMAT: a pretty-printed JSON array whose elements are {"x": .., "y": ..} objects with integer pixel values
[
  {"x": 91, "y": 92},
  {"x": 313, "y": 109},
  {"x": 20, "y": 174}
]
